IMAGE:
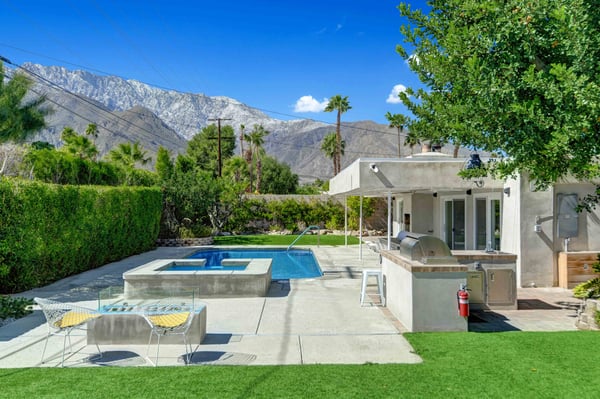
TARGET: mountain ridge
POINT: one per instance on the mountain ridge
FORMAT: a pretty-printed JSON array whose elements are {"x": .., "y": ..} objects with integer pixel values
[{"x": 129, "y": 110}]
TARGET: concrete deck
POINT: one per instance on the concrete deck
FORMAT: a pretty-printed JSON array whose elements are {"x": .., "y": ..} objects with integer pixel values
[{"x": 299, "y": 322}]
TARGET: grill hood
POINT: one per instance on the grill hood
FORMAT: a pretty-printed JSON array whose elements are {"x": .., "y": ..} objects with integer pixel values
[{"x": 426, "y": 249}]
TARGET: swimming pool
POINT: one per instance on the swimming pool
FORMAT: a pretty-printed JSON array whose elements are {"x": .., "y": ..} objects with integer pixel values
[{"x": 287, "y": 264}]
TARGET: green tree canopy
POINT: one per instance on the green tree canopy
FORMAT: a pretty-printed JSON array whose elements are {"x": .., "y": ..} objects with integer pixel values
[
  {"x": 20, "y": 116},
  {"x": 512, "y": 77},
  {"x": 203, "y": 148},
  {"x": 277, "y": 177}
]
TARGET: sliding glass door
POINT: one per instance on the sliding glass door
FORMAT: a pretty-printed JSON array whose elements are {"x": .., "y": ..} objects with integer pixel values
[{"x": 454, "y": 223}]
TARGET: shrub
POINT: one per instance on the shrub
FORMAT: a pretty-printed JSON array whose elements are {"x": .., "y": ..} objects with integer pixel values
[
  {"x": 591, "y": 288},
  {"x": 48, "y": 232},
  {"x": 14, "y": 308}
]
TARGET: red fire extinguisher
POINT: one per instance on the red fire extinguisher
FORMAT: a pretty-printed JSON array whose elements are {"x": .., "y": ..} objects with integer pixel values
[{"x": 463, "y": 301}]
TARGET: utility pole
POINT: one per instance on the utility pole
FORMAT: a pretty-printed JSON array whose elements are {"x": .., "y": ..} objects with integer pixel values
[{"x": 220, "y": 162}]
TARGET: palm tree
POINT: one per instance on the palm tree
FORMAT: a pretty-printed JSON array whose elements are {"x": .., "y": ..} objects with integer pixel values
[
  {"x": 242, "y": 128},
  {"x": 129, "y": 155},
  {"x": 78, "y": 145},
  {"x": 237, "y": 169},
  {"x": 256, "y": 138},
  {"x": 329, "y": 147},
  {"x": 412, "y": 139},
  {"x": 19, "y": 117},
  {"x": 398, "y": 121},
  {"x": 92, "y": 130},
  {"x": 341, "y": 105}
]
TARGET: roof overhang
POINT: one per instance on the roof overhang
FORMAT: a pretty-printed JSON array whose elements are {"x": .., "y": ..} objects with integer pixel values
[{"x": 429, "y": 172}]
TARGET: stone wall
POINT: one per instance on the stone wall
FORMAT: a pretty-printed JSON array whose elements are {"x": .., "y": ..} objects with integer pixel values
[
  {"x": 184, "y": 242},
  {"x": 586, "y": 320}
]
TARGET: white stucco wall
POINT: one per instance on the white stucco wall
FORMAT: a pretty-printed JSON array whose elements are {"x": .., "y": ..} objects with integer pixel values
[
  {"x": 537, "y": 252},
  {"x": 423, "y": 301}
]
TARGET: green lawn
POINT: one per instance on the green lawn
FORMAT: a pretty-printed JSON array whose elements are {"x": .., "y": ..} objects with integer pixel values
[
  {"x": 456, "y": 365},
  {"x": 284, "y": 240}
]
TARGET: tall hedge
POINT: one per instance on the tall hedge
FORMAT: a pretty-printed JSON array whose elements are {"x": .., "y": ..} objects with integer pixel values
[{"x": 48, "y": 231}]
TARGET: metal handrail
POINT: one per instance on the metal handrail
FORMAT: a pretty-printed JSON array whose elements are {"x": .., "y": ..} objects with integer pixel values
[{"x": 304, "y": 232}]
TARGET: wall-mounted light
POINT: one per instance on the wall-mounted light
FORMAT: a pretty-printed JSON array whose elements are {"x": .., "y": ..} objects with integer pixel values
[
  {"x": 506, "y": 191},
  {"x": 434, "y": 195},
  {"x": 469, "y": 192},
  {"x": 474, "y": 161},
  {"x": 374, "y": 167},
  {"x": 537, "y": 227}
]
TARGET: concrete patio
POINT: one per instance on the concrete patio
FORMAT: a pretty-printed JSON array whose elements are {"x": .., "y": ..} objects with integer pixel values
[{"x": 306, "y": 321}]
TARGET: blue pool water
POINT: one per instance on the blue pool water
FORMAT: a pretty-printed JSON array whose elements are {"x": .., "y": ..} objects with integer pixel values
[{"x": 295, "y": 263}]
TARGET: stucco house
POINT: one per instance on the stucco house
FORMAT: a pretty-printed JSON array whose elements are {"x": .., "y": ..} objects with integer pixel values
[{"x": 426, "y": 195}]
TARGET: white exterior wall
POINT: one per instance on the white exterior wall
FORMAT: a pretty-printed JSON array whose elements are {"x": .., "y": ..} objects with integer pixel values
[
  {"x": 423, "y": 301},
  {"x": 537, "y": 252},
  {"x": 510, "y": 241}
]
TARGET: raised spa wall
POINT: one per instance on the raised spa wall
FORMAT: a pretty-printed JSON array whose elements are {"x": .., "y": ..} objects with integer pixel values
[{"x": 253, "y": 281}]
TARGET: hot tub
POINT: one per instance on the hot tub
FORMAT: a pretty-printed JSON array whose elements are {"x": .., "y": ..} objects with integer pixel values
[{"x": 235, "y": 278}]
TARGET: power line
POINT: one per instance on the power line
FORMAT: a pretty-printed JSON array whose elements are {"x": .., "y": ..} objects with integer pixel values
[
  {"x": 86, "y": 100},
  {"x": 112, "y": 115},
  {"x": 226, "y": 99}
]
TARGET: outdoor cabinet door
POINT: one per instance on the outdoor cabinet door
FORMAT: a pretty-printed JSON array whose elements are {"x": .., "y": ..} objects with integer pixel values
[{"x": 500, "y": 287}]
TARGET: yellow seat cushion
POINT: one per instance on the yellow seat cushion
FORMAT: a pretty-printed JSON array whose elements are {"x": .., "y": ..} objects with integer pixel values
[
  {"x": 169, "y": 320},
  {"x": 73, "y": 318}
]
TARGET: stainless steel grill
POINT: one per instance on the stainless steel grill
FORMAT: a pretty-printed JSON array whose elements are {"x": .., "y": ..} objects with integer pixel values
[{"x": 426, "y": 249}]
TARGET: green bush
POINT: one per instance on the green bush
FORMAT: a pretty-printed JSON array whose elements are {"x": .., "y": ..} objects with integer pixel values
[
  {"x": 48, "y": 232},
  {"x": 260, "y": 215},
  {"x": 14, "y": 308}
]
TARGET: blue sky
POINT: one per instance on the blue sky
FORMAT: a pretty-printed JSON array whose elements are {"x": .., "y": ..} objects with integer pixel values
[{"x": 285, "y": 58}]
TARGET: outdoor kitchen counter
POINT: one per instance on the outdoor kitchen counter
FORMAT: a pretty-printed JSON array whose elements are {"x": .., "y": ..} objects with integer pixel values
[
  {"x": 418, "y": 267},
  {"x": 422, "y": 296},
  {"x": 492, "y": 257}
]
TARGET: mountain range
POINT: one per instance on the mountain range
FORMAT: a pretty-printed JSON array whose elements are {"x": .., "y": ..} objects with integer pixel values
[{"x": 129, "y": 110}]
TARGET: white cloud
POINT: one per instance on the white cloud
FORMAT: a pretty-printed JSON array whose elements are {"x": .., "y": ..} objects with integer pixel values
[
  {"x": 310, "y": 104},
  {"x": 338, "y": 27},
  {"x": 413, "y": 57},
  {"x": 393, "y": 97}
]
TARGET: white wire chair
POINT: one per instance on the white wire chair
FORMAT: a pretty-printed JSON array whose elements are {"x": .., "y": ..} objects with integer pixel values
[
  {"x": 63, "y": 318},
  {"x": 169, "y": 320}
]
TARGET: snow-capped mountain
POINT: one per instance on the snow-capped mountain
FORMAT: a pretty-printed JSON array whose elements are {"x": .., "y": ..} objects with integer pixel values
[{"x": 131, "y": 110}]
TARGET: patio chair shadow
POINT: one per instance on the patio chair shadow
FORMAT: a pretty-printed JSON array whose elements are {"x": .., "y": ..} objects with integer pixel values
[
  {"x": 221, "y": 358},
  {"x": 119, "y": 358},
  {"x": 217, "y": 339}
]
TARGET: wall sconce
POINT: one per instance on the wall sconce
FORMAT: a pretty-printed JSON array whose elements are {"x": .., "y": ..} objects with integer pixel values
[
  {"x": 537, "y": 227},
  {"x": 469, "y": 192},
  {"x": 506, "y": 191},
  {"x": 434, "y": 195},
  {"x": 474, "y": 161},
  {"x": 374, "y": 167}
]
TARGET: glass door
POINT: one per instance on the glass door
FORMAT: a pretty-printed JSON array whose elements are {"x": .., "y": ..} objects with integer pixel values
[
  {"x": 454, "y": 220},
  {"x": 487, "y": 223}
]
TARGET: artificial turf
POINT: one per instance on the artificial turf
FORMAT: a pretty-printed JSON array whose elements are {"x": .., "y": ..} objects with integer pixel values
[
  {"x": 277, "y": 239},
  {"x": 455, "y": 365}
]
